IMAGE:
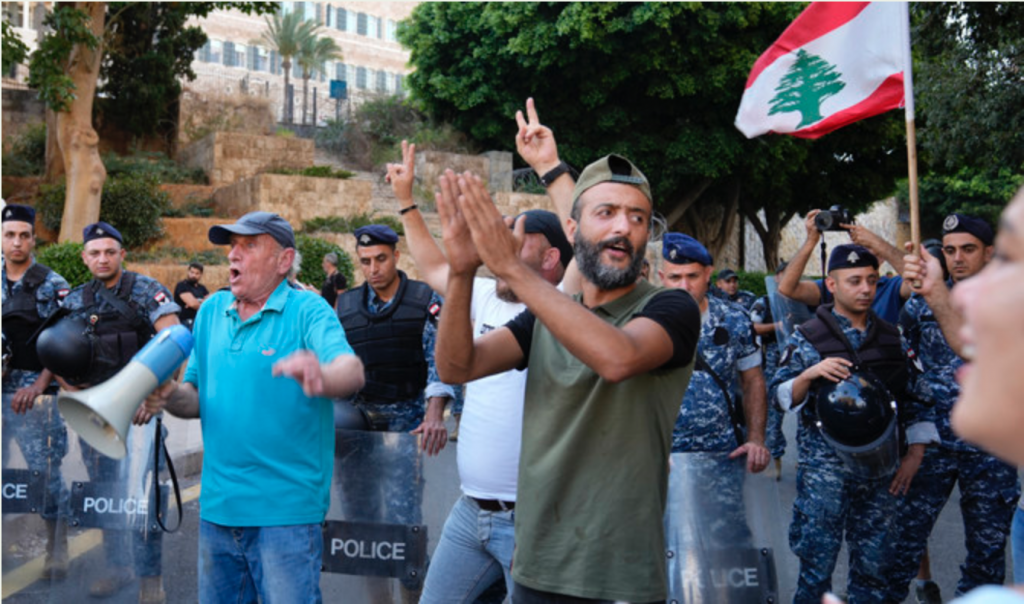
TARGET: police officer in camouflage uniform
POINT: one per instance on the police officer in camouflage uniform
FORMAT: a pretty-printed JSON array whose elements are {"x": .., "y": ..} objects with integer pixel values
[
  {"x": 989, "y": 488},
  {"x": 831, "y": 499},
  {"x": 764, "y": 328},
  {"x": 727, "y": 389},
  {"x": 727, "y": 288},
  {"x": 391, "y": 323},
  {"x": 31, "y": 294},
  {"x": 125, "y": 310}
]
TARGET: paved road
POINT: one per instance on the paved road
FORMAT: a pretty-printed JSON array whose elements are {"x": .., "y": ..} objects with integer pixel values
[{"x": 23, "y": 545}]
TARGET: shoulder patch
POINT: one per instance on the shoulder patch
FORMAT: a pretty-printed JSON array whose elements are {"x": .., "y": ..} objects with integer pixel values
[
  {"x": 160, "y": 297},
  {"x": 434, "y": 310},
  {"x": 62, "y": 293}
]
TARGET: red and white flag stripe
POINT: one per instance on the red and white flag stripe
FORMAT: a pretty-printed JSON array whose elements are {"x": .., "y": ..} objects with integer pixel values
[{"x": 844, "y": 59}]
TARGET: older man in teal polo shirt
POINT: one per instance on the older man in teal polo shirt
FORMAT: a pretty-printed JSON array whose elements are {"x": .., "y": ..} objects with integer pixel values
[{"x": 265, "y": 361}]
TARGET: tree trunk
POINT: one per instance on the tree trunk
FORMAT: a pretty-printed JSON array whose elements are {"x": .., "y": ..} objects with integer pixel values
[
  {"x": 769, "y": 232},
  {"x": 54, "y": 159},
  {"x": 710, "y": 219},
  {"x": 79, "y": 143},
  {"x": 305, "y": 95},
  {"x": 286, "y": 65}
]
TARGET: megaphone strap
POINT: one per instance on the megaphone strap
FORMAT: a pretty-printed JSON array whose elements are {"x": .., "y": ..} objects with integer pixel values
[{"x": 161, "y": 444}]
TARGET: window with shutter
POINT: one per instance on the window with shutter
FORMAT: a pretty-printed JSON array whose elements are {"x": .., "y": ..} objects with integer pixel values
[{"x": 361, "y": 24}]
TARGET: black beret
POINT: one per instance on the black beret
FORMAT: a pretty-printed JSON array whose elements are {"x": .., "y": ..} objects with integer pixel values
[
  {"x": 962, "y": 223},
  {"x": 100, "y": 230},
  {"x": 851, "y": 255},
  {"x": 19, "y": 213},
  {"x": 375, "y": 234}
]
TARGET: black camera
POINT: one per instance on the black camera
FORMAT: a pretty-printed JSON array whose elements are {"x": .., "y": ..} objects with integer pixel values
[{"x": 830, "y": 219}]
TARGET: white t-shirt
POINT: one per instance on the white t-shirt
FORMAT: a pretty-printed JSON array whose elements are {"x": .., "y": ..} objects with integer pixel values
[{"x": 490, "y": 431}]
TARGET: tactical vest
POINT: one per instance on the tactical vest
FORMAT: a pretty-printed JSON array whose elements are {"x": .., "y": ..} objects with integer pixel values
[
  {"x": 390, "y": 344},
  {"x": 21, "y": 319},
  {"x": 881, "y": 353},
  {"x": 118, "y": 332}
]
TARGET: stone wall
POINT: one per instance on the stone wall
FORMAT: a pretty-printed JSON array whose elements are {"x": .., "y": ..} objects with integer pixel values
[
  {"x": 295, "y": 198},
  {"x": 511, "y": 204},
  {"x": 228, "y": 157},
  {"x": 21, "y": 109},
  {"x": 200, "y": 113},
  {"x": 190, "y": 234},
  {"x": 431, "y": 164},
  {"x": 182, "y": 195},
  {"x": 169, "y": 273}
]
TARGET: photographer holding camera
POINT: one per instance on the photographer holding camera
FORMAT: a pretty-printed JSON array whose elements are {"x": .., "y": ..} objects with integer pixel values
[{"x": 892, "y": 291}]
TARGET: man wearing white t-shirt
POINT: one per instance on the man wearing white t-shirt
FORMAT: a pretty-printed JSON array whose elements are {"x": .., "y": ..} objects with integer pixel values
[{"x": 475, "y": 548}]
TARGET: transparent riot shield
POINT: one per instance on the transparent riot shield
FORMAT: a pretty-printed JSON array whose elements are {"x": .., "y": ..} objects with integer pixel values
[
  {"x": 725, "y": 534},
  {"x": 388, "y": 506},
  {"x": 786, "y": 312},
  {"x": 103, "y": 534}
]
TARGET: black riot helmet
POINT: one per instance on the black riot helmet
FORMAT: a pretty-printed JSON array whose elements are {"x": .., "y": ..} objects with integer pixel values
[
  {"x": 857, "y": 416},
  {"x": 66, "y": 348}
]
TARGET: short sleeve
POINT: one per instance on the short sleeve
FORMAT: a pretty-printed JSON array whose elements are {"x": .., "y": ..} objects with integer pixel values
[
  {"x": 678, "y": 314},
  {"x": 522, "y": 330}
]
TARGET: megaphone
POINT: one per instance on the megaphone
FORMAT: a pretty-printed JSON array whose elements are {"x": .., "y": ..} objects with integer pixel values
[{"x": 101, "y": 415}]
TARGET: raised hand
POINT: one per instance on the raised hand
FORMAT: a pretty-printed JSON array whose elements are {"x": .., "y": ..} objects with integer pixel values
[
  {"x": 923, "y": 271},
  {"x": 535, "y": 142},
  {"x": 458, "y": 242},
  {"x": 401, "y": 176},
  {"x": 497, "y": 245}
]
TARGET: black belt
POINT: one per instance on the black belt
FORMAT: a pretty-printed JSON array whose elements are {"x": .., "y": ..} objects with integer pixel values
[{"x": 494, "y": 505}]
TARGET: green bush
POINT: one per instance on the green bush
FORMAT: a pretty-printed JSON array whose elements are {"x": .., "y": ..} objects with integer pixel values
[
  {"x": 157, "y": 165},
  {"x": 348, "y": 224},
  {"x": 753, "y": 282},
  {"x": 313, "y": 250},
  {"x": 180, "y": 255},
  {"x": 133, "y": 205},
  {"x": 332, "y": 136},
  {"x": 315, "y": 171},
  {"x": 66, "y": 259},
  {"x": 27, "y": 156}
]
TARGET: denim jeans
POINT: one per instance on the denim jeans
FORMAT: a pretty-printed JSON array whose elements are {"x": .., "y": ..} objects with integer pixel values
[
  {"x": 1017, "y": 545},
  {"x": 280, "y": 564},
  {"x": 474, "y": 551}
]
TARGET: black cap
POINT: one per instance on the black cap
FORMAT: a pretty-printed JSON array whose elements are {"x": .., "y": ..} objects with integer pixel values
[
  {"x": 375, "y": 234},
  {"x": 547, "y": 223},
  {"x": 19, "y": 213},
  {"x": 726, "y": 274},
  {"x": 851, "y": 255},
  {"x": 100, "y": 230},
  {"x": 962, "y": 223},
  {"x": 255, "y": 223}
]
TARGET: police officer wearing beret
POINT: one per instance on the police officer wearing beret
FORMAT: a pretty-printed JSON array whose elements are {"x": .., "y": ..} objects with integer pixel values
[
  {"x": 727, "y": 287},
  {"x": 31, "y": 294},
  {"x": 391, "y": 323},
  {"x": 846, "y": 345},
  {"x": 989, "y": 487},
  {"x": 124, "y": 310}
]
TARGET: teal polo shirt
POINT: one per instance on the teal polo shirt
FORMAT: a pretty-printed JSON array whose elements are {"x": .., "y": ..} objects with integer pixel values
[{"x": 269, "y": 449}]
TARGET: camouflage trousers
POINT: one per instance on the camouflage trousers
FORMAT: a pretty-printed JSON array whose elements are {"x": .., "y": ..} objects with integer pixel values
[
  {"x": 43, "y": 441},
  {"x": 829, "y": 503},
  {"x": 989, "y": 491},
  {"x": 775, "y": 440}
]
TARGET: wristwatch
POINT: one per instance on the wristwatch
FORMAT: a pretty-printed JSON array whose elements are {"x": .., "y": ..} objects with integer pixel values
[{"x": 555, "y": 172}]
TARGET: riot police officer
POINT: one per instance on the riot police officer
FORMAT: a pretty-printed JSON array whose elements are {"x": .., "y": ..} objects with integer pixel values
[
  {"x": 837, "y": 492},
  {"x": 764, "y": 328},
  {"x": 31, "y": 294},
  {"x": 123, "y": 310},
  {"x": 989, "y": 487}
]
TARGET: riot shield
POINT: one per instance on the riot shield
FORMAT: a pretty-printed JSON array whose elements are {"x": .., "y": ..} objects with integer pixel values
[
  {"x": 786, "y": 312},
  {"x": 725, "y": 534},
  {"x": 102, "y": 533},
  {"x": 388, "y": 506}
]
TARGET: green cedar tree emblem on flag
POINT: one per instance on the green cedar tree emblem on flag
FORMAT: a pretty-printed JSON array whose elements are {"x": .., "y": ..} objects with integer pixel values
[{"x": 809, "y": 81}]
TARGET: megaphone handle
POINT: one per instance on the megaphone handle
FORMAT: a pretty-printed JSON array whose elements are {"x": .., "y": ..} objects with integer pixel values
[{"x": 161, "y": 443}]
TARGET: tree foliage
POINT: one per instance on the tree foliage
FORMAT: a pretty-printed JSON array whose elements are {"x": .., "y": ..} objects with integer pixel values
[
  {"x": 969, "y": 84},
  {"x": 287, "y": 33},
  {"x": 14, "y": 50},
  {"x": 50, "y": 63},
  {"x": 657, "y": 82}
]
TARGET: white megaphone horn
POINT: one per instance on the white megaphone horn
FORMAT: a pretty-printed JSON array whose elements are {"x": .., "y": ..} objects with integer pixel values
[{"x": 102, "y": 414}]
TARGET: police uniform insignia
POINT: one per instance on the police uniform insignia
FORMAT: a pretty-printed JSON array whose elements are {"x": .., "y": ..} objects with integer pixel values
[
  {"x": 672, "y": 254},
  {"x": 8, "y": 213},
  {"x": 853, "y": 257},
  {"x": 99, "y": 230},
  {"x": 160, "y": 297},
  {"x": 62, "y": 293},
  {"x": 950, "y": 222},
  {"x": 786, "y": 355},
  {"x": 365, "y": 239},
  {"x": 434, "y": 310}
]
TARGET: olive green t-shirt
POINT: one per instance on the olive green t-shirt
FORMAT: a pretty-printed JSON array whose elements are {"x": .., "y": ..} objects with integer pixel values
[{"x": 593, "y": 472}]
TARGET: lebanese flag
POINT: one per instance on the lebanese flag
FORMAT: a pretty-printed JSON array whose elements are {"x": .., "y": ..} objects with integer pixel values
[{"x": 837, "y": 63}]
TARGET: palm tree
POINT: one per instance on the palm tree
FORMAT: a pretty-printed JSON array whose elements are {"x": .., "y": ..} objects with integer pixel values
[
  {"x": 286, "y": 34},
  {"x": 315, "y": 51}
]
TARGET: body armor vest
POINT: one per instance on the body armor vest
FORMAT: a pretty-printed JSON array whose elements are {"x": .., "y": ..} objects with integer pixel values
[
  {"x": 21, "y": 320},
  {"x": 118, "y": 332},
  {"x": 390, "y": 344},
  {"x": 881, "y": 353}
]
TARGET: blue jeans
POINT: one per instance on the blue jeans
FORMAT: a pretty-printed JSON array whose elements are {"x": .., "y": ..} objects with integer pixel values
[
  {"x": 280, "y": 564},
  {"x": 474, "y": 551},
  {"x": 1017, "y": 545}
]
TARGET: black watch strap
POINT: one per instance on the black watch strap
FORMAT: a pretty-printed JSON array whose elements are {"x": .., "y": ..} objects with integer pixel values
[{"x": 555, "y": 172}]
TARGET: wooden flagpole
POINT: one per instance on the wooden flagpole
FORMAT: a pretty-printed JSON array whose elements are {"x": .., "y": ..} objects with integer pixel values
[{"x": 908, "y": 95}]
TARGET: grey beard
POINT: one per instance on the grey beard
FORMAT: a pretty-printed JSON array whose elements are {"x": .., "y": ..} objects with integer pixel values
[{"x": 588, "y": 259}]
